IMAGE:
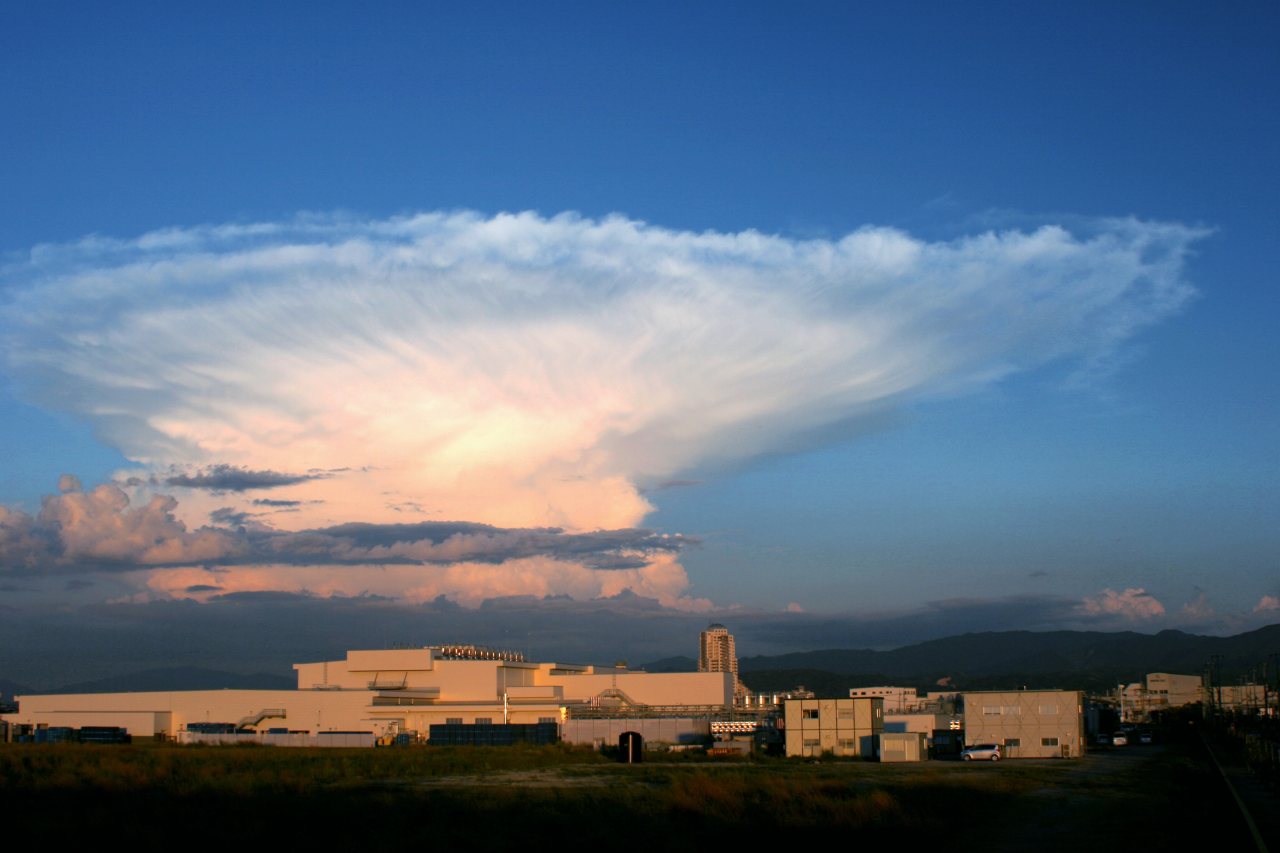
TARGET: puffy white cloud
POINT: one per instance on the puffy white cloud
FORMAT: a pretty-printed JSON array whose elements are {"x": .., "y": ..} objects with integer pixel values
[
  {"x": 1133, "y": 603},
  {"x": 101, "y": 529},
  {"x": 529, "y": 383},
  {"x": 97, "y": 529},
  {"x": 525, "y": 371}
]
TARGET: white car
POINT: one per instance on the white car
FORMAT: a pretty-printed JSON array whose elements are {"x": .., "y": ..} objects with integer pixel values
[
  {"x": 982, "y": 752},
  {"x": 1119, "y": 739}
]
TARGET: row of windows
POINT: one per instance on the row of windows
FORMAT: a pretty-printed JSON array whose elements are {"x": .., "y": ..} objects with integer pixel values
[
  {"x": 812, "y": 714},
  {"x": 488, "y": 721},
  {"x": 1016, "y": 710},
  {"x": 843, "y": 744},
  {"x": 1044, "y": 741}
]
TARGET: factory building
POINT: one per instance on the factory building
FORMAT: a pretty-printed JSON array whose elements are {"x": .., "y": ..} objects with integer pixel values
[
  {"x": 1027, "y": 723},
  {"x": 386, "y": 692},
  {"x": 897, "y": 700},
  {"x": 1157, "y": 693}
]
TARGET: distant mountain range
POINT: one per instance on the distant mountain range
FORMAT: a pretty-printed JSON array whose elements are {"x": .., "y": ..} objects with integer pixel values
[
  {"x": 9, "y": 689},
  {"x": 1089, "y": 660}
]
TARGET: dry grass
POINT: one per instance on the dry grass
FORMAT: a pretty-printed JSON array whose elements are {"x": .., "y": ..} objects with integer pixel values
[{"x": 496, "y": 798}]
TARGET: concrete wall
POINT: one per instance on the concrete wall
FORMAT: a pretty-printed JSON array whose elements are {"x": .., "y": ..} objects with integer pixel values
[
  {"x": 925, "y": 724},
  {"x": 332, "y": 740},
  {"x": 648, "y": 688},
  {"x": 1027, "y": 723},
  {"x": 897, "y": 700},
  {"x": 666, "y": 730},
  {"x": 1172, "y": 690},
  {"x": 841, "y": 726},
  {"x": 896, "y": 747},
  {"x": 145, "y": 714},
  {"x": 487, "y": 680}
]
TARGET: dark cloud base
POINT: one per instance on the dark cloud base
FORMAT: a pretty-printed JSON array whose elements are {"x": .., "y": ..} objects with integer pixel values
[
  {"x": 79, "y": 532},
  {"x": 229, "y": 478}
]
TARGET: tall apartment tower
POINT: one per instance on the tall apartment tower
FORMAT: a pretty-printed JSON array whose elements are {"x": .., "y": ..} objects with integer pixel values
[{"x": 717, "y": 653}]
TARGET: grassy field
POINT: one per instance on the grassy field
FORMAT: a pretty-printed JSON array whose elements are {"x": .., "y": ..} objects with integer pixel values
[{"x": 497, "y": 798}]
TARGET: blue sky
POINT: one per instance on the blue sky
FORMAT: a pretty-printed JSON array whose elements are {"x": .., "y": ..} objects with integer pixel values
[{"x": 1131, "y": 480}]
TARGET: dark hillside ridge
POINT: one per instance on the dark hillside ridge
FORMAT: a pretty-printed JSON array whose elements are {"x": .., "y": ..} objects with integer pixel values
[
  {"x": 996, "y": 653},
  {"x": 180, "y": 678},
  {"x": 1085, "y": 660}
]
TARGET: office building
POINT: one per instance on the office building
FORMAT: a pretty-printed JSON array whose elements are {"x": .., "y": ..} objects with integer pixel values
[{"x": 718, "y": 653}]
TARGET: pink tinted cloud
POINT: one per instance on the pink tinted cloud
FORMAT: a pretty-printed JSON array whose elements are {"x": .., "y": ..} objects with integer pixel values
[
  {"x": 84, "y": 530},
  {"x": 1133, "y": 603},
  {"x": 527, "y": 371},
  {"x": 469, "y": 584}
]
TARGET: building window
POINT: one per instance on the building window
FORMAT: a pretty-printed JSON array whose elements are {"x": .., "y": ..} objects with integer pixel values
[
  {"x": 546, "y": 719},
  {"x": 844, "y": 715},
  {"x": 810, "y": 743},
  {"x": 810, "y": 714},
  {"x": 1013, "y": 741},
  {"x": 453, "y": 721},
  {"x": 484, "y": 721},
  {"x": 1048, "y": 741},
  {"x": 1046, "y": 710},
  {"x": 848, "y": 744},
  {"x": 990, "y": 710}
]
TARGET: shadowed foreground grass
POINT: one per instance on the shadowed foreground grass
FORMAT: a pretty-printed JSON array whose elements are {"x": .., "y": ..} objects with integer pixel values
[{"x": 495, "y": 798}]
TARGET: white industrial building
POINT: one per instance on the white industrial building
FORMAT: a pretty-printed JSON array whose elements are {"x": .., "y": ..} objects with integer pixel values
[
  {"x": 1157, "y": 693},
  {"x": 388, "y": 691},
  {"x": 897, "y": 700}
]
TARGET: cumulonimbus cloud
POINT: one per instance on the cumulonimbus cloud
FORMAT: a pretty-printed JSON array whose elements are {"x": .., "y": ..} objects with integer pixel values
[
  {"x": 519, "y": 372},
  {"x": 529, "y": 371}
]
